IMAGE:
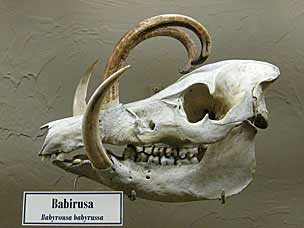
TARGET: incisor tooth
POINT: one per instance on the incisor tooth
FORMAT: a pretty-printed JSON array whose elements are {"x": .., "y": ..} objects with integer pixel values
[
  {"x": 60, "y": 157},
  {"x": 77, "y": 161},
  {"x": 45, "y": 157}
]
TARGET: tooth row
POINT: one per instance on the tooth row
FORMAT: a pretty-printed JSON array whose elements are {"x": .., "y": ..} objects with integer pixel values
[
  {"x": 167, "y": 151},
  {"x": 165, "y": 155},
  {"x": 154, "y": 155},
  {"x": 164, "y": 160},
  {"x": 62, "y": 157}
]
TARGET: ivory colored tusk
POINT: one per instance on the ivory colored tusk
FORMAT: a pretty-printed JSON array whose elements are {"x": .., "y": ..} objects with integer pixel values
[
  {"x": 90, "y": 124},
  {"x": 80, "y": 104}
]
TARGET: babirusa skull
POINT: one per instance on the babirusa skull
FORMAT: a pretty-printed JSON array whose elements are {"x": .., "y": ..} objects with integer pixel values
[{"x": 191, "y": 141}]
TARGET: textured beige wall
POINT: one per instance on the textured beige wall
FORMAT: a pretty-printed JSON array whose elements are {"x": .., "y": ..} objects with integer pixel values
[{"x": 46, "y": 45}]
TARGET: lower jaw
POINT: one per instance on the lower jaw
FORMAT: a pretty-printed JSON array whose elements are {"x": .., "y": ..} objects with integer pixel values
[
  {"x": 180, "y": 183},
  {"x": 137, "y": 176}
]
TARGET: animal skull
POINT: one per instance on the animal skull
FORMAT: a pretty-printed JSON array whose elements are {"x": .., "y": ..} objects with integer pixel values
[{"x": 188, "y": 142}]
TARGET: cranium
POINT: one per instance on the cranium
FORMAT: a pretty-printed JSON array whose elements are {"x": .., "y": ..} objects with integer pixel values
[{"x": 190, "y": 141}]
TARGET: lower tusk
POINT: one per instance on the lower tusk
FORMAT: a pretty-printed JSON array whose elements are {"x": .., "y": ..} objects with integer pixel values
[{"x": 90, "y": 124}]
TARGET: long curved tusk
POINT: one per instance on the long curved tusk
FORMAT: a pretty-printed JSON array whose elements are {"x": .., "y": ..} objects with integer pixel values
[
  {"x": 179, "y": 35},
  {"x": 90, "y": 124},
  {"x": 79, "y": 104},
  {"x": 137, "y": 34}
]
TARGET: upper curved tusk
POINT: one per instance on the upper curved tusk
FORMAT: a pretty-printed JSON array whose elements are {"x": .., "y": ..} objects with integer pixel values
[
  {"x": 90, "y": 124},
  {"x": 138, "y": 34},
  {"x": 79, "y": 104},
  {"x": 179, "y": 35}
]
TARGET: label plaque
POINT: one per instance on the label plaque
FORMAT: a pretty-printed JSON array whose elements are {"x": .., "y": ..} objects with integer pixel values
[{"x": 73, "y": 208}]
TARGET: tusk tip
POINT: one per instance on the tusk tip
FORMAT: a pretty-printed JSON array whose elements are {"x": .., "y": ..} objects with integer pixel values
[
  {"x": 126, "y": 67},
  {"x": 44, "y": 127},
  {"x": 96, "y": 61},
  {"x": 199, "y": 60},
  {"x": 186, "y": 69}
]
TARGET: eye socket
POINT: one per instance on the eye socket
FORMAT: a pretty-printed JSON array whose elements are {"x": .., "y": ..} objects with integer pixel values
[{"x": 198, "y": 102}]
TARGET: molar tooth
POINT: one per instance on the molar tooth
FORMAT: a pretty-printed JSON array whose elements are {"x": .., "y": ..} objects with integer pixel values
[
  {"x": 167, "y": 161},
  {"x": 60, "y": 157},
  {"x": 148, "y": 150},
  {"x": 140, "y": 149},
  {"x": 182, "y": 153},
  {"x": 171, "y": 152},
  {"x": 171, "y": 161},
  {"x": 155, "y": 151},
  {"x": 160, "y": 151},
  {"x": 168, "y": 152},
  {"x": 142, "y": 157},
  {"x": 194, "y": 160},
  {"x": 175, "y": 152},
  {"x": 204, "y": 146},
  {"x": 153, "y": 160},
  {"x": 191, "y": 152},
  {"x": 163, "y": 160},
  {"x": 150, "y": 159}
]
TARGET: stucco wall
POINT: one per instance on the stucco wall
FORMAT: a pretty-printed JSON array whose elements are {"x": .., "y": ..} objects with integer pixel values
[{"x": 45, "y": 46}]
